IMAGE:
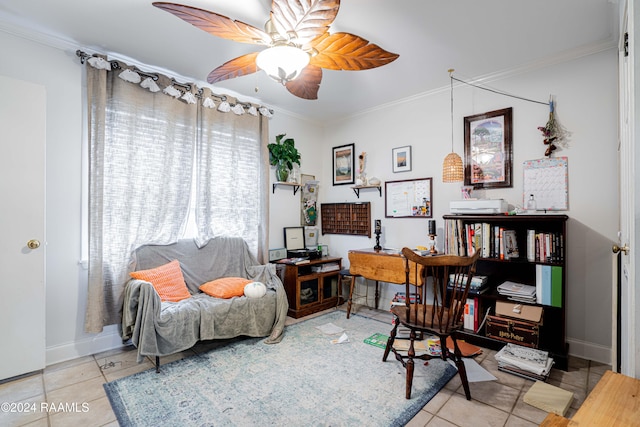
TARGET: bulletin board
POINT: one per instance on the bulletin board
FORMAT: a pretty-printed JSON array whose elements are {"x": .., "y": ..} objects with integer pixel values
[
  {"x": 548, "y": 180},
  {"x": 409, "y": 198}
]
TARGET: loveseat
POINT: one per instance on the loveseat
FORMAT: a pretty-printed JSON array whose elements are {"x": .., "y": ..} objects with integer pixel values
[{"x": 159, "y": 328}]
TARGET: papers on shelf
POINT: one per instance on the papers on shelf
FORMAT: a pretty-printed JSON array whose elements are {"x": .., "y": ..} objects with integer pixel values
[{"x": 518, "y": 291}]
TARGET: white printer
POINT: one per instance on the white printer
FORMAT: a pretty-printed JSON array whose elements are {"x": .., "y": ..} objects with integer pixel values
[{"x": 478, "y": 206}]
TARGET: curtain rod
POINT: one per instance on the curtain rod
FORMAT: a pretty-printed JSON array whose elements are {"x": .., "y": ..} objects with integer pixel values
[{"x": 114, "y": 64}]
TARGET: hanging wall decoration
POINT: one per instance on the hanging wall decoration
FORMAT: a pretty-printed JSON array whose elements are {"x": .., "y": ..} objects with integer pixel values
[{"x": 553, "y": 133}]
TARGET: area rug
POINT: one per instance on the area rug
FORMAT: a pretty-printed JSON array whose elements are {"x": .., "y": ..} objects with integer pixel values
[{"x": 305, "y": 380}]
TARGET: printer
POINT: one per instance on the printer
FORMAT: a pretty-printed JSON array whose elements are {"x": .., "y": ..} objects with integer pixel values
[{"x": 478, "y": 206}]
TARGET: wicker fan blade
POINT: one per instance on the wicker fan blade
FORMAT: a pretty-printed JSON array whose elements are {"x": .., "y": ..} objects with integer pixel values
[
  {"x": 308, "y": 19},
  {"x": 240, "y": 66},
  {"x": 344, "y": 51},
  {"x": 216, "y": 24},
  {"x": 307, "y": 84}
]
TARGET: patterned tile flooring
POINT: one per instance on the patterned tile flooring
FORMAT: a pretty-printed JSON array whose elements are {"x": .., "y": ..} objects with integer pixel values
[{"x": 71, "y": 393}]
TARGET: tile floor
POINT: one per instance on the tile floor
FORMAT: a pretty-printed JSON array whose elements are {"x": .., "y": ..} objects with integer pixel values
[{"x": 71, "y": 393}]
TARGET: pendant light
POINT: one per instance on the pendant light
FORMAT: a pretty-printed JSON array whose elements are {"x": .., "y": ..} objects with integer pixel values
[{"x": 452, "y": 167}]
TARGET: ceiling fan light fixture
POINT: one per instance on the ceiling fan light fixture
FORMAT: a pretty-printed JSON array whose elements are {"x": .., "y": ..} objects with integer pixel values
[{"x": 282, "y": 63}]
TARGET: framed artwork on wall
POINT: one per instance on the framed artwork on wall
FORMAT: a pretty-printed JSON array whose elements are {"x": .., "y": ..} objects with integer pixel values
[
  {"x": 401, "y": 159},
  {"x": 343, "y": 160},
  {"x": 488, "y": 149}
]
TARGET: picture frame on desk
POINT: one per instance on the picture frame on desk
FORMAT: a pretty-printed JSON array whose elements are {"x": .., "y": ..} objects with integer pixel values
[
  {"x": 488, "y": 149},
  {"x": 343, "y": 160}
]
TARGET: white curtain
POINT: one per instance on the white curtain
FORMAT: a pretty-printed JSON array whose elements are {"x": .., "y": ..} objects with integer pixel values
[
  {"x": 142, "y": 148},
  {"x": 231, "y": 174}
]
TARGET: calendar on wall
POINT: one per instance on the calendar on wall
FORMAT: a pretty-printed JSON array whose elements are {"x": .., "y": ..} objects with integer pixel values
[{"x": 548, "y": 180}]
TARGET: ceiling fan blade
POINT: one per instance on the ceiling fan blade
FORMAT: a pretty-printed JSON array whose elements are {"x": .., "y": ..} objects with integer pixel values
[
  {"x": 344, "y": 51},
  {"x": 217, "y": 24},
  {"x": 308, "y": 19},
  {"x": 240, "y": 66},
  {"x": 307, "y": 84}
]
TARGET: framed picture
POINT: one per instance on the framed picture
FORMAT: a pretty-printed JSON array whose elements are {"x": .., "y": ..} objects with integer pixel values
[
  {"x": 488, "y": 149},
  {"x": 401, "y": 159},
  {"x": 409, "y": 198},
  {"x": 343, "y": 164}
]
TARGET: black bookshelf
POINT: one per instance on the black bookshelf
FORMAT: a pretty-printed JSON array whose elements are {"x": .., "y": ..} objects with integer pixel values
[{"x": 520, "y": 270}]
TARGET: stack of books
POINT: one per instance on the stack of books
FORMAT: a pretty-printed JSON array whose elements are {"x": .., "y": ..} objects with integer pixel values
[
  {"x": 478, "y": 283},
  {"x": 518, "y": 291},
  {"x": 525, "y": 362},
  {"x": 400, "y": 299}
]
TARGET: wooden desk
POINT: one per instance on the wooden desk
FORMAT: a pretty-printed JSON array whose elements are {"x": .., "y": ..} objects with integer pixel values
[
  {"x": 379, "y": 265},
  {"x": 615, "y": 402}
]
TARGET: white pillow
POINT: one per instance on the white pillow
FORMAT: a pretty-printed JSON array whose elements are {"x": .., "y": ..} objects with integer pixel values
[{"x": 255, "y": 290}]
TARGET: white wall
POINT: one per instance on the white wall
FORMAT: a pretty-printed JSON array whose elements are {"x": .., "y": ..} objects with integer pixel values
[{"x": 585, "y": 91}]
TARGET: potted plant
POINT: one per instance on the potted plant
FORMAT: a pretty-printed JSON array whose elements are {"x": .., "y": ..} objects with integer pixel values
[{"x": 283, "y": 154}]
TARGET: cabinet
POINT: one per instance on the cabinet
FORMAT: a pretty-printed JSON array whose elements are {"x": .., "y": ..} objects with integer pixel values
[
  {"x": 311, "y": 287},
  {"x": 541, "y": 244},
  {"x": 346, "y": 218}
]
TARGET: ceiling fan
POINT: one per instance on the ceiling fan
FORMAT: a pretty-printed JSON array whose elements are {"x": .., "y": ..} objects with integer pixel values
[{"x": 296, "y": 29}]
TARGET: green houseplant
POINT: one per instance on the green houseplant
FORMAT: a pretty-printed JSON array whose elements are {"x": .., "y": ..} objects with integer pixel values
[{"x": 282, "y": 155}]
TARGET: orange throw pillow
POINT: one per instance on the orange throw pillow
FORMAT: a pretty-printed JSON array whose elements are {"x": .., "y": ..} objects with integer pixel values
[
  {"x": 225, "y": 287},
  {"x": 167, "y": 280}
]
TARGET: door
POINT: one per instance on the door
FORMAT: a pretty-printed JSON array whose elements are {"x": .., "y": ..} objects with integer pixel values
[
  {"x": 22, "y": 192},
  {"x": 628, "y": 158}
]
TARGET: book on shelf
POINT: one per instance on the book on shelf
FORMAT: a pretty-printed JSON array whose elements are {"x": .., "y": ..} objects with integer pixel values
[
  {"x": 294, "y": 261},
  {"x": 549, "y": 285}
]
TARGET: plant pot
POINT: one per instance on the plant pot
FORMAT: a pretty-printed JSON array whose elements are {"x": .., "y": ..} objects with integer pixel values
[{"x": 282, "y": 172}]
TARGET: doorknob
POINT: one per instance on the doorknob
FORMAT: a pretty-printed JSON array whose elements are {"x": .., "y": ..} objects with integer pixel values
[
  {"x": 617, "y": 249},
  {"x": 33, "y": 244}
]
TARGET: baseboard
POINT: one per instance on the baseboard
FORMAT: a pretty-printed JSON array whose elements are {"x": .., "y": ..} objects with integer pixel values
[
  {"x": 107, "y": 340},
  {"x": 589, "y": 351}
]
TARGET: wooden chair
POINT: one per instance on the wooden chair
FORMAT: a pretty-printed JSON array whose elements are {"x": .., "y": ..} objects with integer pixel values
[{"x": 443, "y": 317}]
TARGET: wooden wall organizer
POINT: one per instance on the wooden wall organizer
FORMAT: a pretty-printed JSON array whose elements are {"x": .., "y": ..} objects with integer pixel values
[{"x": 346, "y": 218}]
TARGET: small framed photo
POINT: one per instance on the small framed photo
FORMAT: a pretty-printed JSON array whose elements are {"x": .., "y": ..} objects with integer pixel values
[
  {"x": 401, "y": 159},
  {"x": 343, "y": 164}
]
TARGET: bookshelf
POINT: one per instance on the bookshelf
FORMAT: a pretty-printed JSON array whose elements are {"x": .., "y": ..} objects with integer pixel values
[{"x": 541, "y": 245}]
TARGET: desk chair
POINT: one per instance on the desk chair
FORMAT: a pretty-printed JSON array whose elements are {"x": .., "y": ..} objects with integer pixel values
[{"x": 443, "y": 317}]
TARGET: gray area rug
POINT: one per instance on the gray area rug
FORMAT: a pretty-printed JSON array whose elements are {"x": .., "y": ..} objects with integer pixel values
[{"x": 303, "y": 381}]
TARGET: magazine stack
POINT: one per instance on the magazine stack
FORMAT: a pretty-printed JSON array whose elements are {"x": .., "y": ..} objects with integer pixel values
[{"x": 525, "y": 362}]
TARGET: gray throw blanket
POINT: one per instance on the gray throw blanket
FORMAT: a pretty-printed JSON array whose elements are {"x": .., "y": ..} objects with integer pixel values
[{"x": 161, "y": 328}]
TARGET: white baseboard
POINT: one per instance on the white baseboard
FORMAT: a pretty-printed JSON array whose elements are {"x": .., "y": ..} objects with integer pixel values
[
  {"x": 589, "y": 351},
  {"x": 107, "y": 340}
]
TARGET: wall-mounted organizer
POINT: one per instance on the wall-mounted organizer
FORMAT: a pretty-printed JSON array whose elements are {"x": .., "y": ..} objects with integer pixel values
[{"x": 346, "y": 218}]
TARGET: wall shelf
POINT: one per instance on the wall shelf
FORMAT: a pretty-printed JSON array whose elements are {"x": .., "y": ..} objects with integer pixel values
[
  {"x": 346, "y": 218},
  {"x": 357, "y": 188},
  {"x": 295, "y": 186}
]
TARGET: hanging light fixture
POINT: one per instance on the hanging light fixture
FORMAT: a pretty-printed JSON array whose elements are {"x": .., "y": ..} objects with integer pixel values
[
  {"x": 452, "y": 167},
  {"x": 282, "y": 63}
]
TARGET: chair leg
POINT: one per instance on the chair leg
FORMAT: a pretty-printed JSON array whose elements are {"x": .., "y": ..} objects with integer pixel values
[
  {"x": 392, "y": 338},
  {"x": 409, "y": 378},
  {"x": 352, "y": 281},
  {"x": 158, "y": 364},
  {"x": 462, "y": 371}
]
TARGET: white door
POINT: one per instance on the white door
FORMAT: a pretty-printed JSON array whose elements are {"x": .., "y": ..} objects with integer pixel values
[
  {"x": 629, "y": 154},
  {"x": 22, "y": 195}
]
